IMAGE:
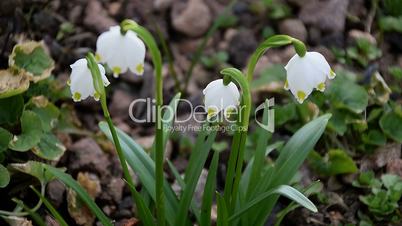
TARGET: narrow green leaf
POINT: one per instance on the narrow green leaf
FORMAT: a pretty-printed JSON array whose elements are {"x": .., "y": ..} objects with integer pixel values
[
  {"x": 143, "y": 208},
  {"x": 284, "y": 190},
  {"x": 70, "y": 182},
  {"x": 35, "y": 216},
  {"x": 259, "y": 154},
  {"x": 182, "y": 184},
  {"x": 167, "y": 121},
  {"x": 210, "y": 186},
  {"x": 290, "y": 159},
  {"x": 193, "y": 172},
  {"x": 144, "y": 167},
  {"x": 50, "y": 207},
  {"x": 222, "y": 219},
  {"x": 313, "y": 188}
]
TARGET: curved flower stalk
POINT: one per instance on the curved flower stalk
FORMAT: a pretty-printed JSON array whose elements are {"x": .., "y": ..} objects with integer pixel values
[
  {"x": 81, "y": 82},
  {"x": 121, "y": 51},
  {"x": 307, "y": 73},
  {"x": 97, "y": 76},
  {"x": 146, "y": 36},
  {"x": 220, "y": 96},
  {"x": 239, "y": 140}
]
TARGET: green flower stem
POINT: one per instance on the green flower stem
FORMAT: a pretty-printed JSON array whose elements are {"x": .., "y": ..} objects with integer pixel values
[
  {"x": 18, "y": 213},
  {"x": 147, "y": 37},
  {"x": 239, "y": 140},
  {"x": 274, "y": 41},
  {"x": 100, "y": 89}
]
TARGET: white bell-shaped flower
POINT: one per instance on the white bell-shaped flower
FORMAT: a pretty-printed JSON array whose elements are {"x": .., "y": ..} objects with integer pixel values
[
  {"x": 304, "y": 74},
  {"x": 121, "y": 51},
  {"x": 81, "y": 82},
  {"x": 218, "y": 97}
]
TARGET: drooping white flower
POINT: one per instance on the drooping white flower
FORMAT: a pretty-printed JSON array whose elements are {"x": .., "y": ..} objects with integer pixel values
[
  {"x": 81, "y": 82},
  {"x": 121, "y": 51},
  {"x": 218, "y": 97},
  {"x": 304, "y": 74}
]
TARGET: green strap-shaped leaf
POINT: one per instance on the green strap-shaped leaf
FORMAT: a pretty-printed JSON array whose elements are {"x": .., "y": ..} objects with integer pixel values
[
  {"x": 193, "y": 172},
  {"x": 70, "y": 182},
  {"x": 35, "y": 216},
  {"x": 144, "y": 167},
  {"x": 146, "y": 214},
  {"x": 284, "y": 190},
  {"x": 223, "y": 215},
  {"x": 50, "y": 207},
  {"x": 290, "y": 159},
  {"x": 210, "y": 186}
]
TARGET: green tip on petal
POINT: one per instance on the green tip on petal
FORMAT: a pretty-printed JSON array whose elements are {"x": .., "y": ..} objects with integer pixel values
[
  {"x": 286, "y": 86},
  {"x": 301, "y": 96},
  {"x": 321, "y": 87},
  {"x": 98, "y": 58},
  {"x": 332, "y": 74},
  {"x": 69, "y": 82},
  {"x": 140, "y": 68},
  {"x": 116, "y": 71},
  {"x": 77, "y": 96},
  {"x": 96, "y": 96},
  {"x": 211, "y": 112},
  {"x": 229, "y": 112}
]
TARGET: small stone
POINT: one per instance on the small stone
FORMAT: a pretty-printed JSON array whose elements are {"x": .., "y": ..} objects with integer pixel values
[
  {"x": 191, "y": 18},
  {"x": 114, "y": 8},
  {"x": 120, "y": 104},
  {"x": 115, "y": 189},
  {"x": 81, "y": 213},
  {"x": 128, "y": 222},
  {"x": 381, "y": 157},
  {"x": 395, "y": 167},
  {"x": 162, "y": 5},
  {"x": 96, "y": 16},
  {"x": 55, "y": 192},
  {"x": 328, "y": 15},
  {"x": 50, "y": 221},
  {"x": 294, "y": 28},
  {"x": 355, "y": 35},
  {"x": 242, "y": 45},
  {"x": 86, "y": 154}
]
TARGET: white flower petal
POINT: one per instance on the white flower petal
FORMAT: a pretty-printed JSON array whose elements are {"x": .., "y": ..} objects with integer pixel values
[
  {"x": 81, "y": 82},
  {"x": 121, "y": 52},
  {"x": 219, "y": 97},
  {"x": 306, "y": 73}
]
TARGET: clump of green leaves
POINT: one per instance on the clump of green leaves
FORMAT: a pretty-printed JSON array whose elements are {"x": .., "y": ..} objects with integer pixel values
[
  {"x": 363, "y": 52},
  {"x": 392, "y": 20},
  {"x": 385, "y": 194},
  {"x": 335, "y": 162},
  {"x": 28, "y": 119},
  {"x": 218, "y": 59}
]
